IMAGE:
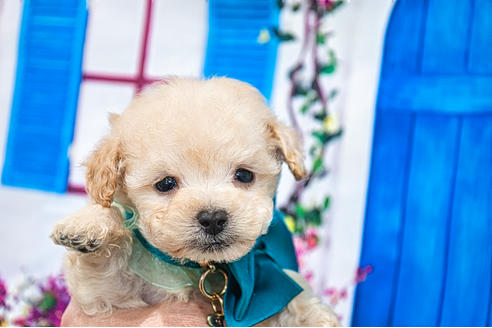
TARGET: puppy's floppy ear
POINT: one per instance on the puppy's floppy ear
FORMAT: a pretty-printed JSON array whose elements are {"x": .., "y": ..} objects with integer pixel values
[
  {"x": 286, "y": 140},
  {"x": 103, "y": 167}
]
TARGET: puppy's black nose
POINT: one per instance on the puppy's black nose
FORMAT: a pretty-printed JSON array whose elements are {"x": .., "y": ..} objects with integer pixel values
[{"x": 212, "y": 222}]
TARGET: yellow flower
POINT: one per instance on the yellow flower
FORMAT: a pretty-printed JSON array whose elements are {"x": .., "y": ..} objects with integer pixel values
[
  {"x": 290, "y": 223},
  {"x": 331, "y": 124},
  {"x": 263, "y": 36},
  {"x": 3, "y": 323}
]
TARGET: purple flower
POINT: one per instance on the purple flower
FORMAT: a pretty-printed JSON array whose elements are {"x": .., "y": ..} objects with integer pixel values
[
  {"x": 48, "y": 310},
  {"x": 362, "y": 273},
  {"x": 343, "y": 293},
  {"x": 3, "y": 294},
  {"x": 55, "y": 300}
]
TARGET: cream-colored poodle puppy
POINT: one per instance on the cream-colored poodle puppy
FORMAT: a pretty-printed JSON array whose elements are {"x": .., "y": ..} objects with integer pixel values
[{"x": 197, "y": 162}]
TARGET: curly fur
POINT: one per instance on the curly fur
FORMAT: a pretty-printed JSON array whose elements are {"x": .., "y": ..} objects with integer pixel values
[{"x": 200, "y": 133}]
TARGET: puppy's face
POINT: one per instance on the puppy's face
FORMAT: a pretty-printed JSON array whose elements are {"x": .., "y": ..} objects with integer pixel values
[{"x": 200, "y": 161}]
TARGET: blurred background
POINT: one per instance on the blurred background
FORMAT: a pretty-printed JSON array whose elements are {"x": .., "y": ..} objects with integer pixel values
[{"x": 393, "y": 226}]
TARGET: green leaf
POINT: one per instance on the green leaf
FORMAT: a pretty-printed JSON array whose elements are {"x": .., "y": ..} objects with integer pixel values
[
  {"x": 331, "y": 137},
  {"x": 319, "y": 135},
  {"x": 313, "y": 217},
  {"x": 296, "y": 6},
  {"x": 311, "y": 98},
  {"x": 330, "y": 67},
  {"x": 333, "y": 93},
  {"x": 305, "y": 107},
  {"x": 321, "y": 38},
  {"x": 300, "y": 211},
  {"x": 326, "y": 202},
  {"x": 332, "y": 7},
  {"x": 336, "y": 5},
  {"x": 47, "y": 302},
  {"x": 299, "y": 90},
  {"x": 280, "y": 4},
  {"x": 283, "y": 36},
  {"x": 332, "y": 56},
  {"x": 320, "y": 116},
  {"x": 318, "y": 165},
  {"x": 324, "y": 137}
]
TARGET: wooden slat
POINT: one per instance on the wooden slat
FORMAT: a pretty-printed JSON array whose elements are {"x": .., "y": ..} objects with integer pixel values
[
  {"x": 455, "y": 94},
  {"x": 234, "y": 27},
  {"x": 404, "y": 32},
  {"x": 468, "y": 285},
  {"x": 437, "y": 68},
  {"x": 446, "y": 36},
  {"x": 49, "y": 69},
  {"x": 383, "y": 222},
  {"x": 480, "y": 61},
  {"x": 423, "y": 256}
]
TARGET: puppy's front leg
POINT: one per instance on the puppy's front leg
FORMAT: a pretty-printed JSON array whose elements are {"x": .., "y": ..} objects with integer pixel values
[
  {"x": 90, "y": 229},
  {"x": 304, "y": 310},
  {"x": 95, "y": 268}
]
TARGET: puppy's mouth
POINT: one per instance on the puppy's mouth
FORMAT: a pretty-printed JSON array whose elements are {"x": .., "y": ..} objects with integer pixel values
[
  {"x": 212, "y": 244},
  {"x": 213, "y": 247}
]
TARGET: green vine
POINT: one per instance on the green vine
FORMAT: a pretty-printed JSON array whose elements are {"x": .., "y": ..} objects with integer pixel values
[{"x": 312, "y": 100}]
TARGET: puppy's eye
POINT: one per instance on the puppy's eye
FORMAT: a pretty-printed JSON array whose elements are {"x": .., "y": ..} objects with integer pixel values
[
  {"x": 244, "y": 176},
  {"x": 166, "y": 184}
]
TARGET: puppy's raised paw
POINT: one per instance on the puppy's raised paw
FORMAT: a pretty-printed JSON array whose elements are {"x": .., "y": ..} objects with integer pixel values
[
  {"x": 80, "y": 243},
  {"x": 89, "y": 229}
]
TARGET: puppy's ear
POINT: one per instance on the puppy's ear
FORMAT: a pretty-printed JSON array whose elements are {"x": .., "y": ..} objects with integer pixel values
[
  {"x": 286, "y": 140},
  {"x": 103, "y": 167}
]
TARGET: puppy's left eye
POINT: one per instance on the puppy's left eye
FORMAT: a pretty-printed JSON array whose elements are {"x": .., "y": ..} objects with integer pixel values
[
  {"x": 166, "y": 184},
  {"x": 244, "y": 176}
]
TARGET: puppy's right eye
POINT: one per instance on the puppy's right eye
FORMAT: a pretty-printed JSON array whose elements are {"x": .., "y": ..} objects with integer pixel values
[
  {"x": 166, "y": 184},
  {"x": 244, "y": 176}
]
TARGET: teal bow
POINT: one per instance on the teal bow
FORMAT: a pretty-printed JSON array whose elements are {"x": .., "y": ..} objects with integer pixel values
[{"x": 258, "y": 288}]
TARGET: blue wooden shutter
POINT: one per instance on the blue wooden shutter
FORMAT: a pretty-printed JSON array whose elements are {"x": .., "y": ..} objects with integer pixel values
[
  {"x": 233, "y": 49},
  {"x": 428, "y": 225},
  {"x": 46, "y": 93}
]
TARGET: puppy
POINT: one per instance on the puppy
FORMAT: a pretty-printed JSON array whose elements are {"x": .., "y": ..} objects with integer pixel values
[{"x": 199, "y": 161}]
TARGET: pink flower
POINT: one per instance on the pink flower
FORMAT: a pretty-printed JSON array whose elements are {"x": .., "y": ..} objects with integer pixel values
[
  {"x": 300, "y": 246},
  {"x": 311, "y": 238},
  {"x": 325, "y": 4},
  {"x": 309, "y": 276},
  {"x": 330, "y": 291},
  {"x": 20, "y": 322}
]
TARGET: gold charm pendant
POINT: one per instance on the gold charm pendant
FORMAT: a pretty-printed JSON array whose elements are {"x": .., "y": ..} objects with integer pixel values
[{"x": 215, "y": 319}]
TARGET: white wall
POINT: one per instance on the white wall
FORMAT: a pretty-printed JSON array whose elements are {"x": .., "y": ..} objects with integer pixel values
[
  {"x": 177, "y": 48},
  {"x": 363, "y": 24},
  {"x": 359, "y": 32}
]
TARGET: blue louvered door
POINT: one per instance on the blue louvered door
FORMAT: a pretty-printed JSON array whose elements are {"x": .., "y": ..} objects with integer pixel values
[
  {"x": 46, "y": 93},
  {"x": 233, "y": 47},
  {"x": 428, "y": 224}
]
